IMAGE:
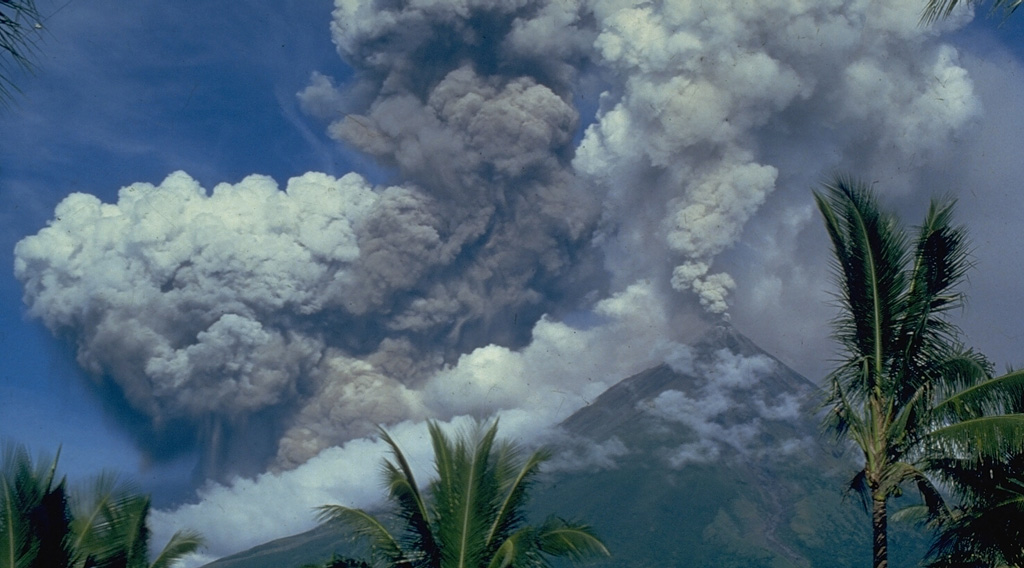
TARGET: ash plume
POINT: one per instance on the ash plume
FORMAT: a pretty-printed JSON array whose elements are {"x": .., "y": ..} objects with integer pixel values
[
  {"x": 704, "y": 92},
  {"x": 333, "y": 305}
]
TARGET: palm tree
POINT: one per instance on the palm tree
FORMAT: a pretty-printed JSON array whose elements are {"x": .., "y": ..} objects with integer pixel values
[
  {"x": 34, "y": 517},
  {"x": 941, "y": 9},
  {"x": 111, "y": 532},
  {"x": 906, "y": 391},
  {"x": 472, "y": 515},
  {"x": 19, "y": 20},
  {"x": 987, "y": 528},
  {"x": 41, "y": 526}
]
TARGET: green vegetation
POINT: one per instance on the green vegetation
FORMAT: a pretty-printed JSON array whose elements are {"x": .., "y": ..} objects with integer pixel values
[
  {"x": 339, "y": 562},
  {"x": 473, "y": 515},
  {"x": 987, "y": 528},
  {"x": 34, "y": 518},
  {"x": 19, "y": 20},
  {"x": 906, "y": 391},
  {"x": 42, "y": 525},
  {"x": 773, "y": 512}
]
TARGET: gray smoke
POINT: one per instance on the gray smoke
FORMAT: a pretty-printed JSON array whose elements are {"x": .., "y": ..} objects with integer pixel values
[
  {"x": 706, "y": 91},
  {"x": 334, "y": 305}
]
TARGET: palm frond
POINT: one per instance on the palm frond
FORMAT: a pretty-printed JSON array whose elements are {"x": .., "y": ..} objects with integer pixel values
[
  {"x": 182, "y": 543},
  {"x": 907, "y": 426},
  {"x": 937, "y": 10},
  {"x": 987, "y": 535},
  {"x": 842, "y": 418},
  {"x": 16, "y": 545},
  {"x": 980, "y": 439},
  {"x": 19, "y": 23},
  {"x": 933, "y": 509},
  {"x": 468, "y": 498},
  {"x": 35, "y": 521},
  {"x": 51, "y": 525},
  {"x": 121, "y": 537},
  {"x": 17, "y": 548},
  {"x": 412, "y": 508},
  {"x": 939, "y": 399},
  {"x": 941, "y": 259},
  {"x": 90, "y": 502},
  {"x": 476, "y": 509},
  {"x": 569, "y": 540},
  {"x": 912, "y": 514},
  {"x": 506, "y": 516},
  {"x": 515, "y": 549},
  {"x": 926, "y": 339},
  {"x": 383, "y": 544},
  {"x": 932, "y": 499},
  {"x": 992, "y": 396},
  {"x": 444, "y": 460},
  {"x": 955, "y": 541},
  {"x": 858, "y": 485},
  {"x": 870, "y": 250}
]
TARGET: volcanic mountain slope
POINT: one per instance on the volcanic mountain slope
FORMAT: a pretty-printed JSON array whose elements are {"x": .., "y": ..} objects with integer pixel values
[
  {"x": 716, "y": 461},
  {"x": 723, "y": 379},
  {"x": 713, "y": 459}
]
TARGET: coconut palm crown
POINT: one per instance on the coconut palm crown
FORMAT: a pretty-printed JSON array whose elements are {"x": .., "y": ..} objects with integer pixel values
[
  {"x": 110, "y": 529},
  {"x": 102, "y": 525},
  {"x": 35, "y": 520},
  {"x": 471, "y": 516},
  {"x": 906, "y": 391}
]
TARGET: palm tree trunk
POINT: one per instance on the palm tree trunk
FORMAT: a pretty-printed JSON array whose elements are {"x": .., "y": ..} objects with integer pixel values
[{"x": 879, "y": 522}]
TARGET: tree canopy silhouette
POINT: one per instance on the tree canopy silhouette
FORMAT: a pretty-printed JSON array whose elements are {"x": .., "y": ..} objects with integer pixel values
[{"x": 102, "y": 525}]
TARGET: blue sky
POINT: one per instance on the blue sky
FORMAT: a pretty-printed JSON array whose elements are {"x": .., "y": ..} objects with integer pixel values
[
  {"x": 125, "y": 93},
  {"x": 131, "y": 92}
]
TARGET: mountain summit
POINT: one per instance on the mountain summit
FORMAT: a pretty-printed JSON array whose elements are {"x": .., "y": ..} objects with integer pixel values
[
  {"x": 716, "y": 461},
  {"x": 712, "y": 459},
  {"x": 718, "y": 386}
]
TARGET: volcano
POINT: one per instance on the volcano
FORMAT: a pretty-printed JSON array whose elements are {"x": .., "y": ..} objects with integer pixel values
[
  {"x": 712, "y": 459},
  {"x": 719, "y": 462}
]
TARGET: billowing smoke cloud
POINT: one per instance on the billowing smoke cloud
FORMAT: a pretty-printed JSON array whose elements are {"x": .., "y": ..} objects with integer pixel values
[
  {"x": 703, "y": 92},
  {"x": 322, "y": 308},
  {"x": 525, "y": 255},
  {"x": 204, "y": 309},
  {"x": 564, "y": 366}
]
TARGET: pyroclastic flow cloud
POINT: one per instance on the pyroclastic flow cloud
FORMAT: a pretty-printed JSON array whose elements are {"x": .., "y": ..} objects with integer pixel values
[{"x": 565, "y": 171}]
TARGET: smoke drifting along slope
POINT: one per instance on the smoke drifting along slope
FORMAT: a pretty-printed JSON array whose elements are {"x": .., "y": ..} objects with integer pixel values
[{"x": 321, "y": 310}]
